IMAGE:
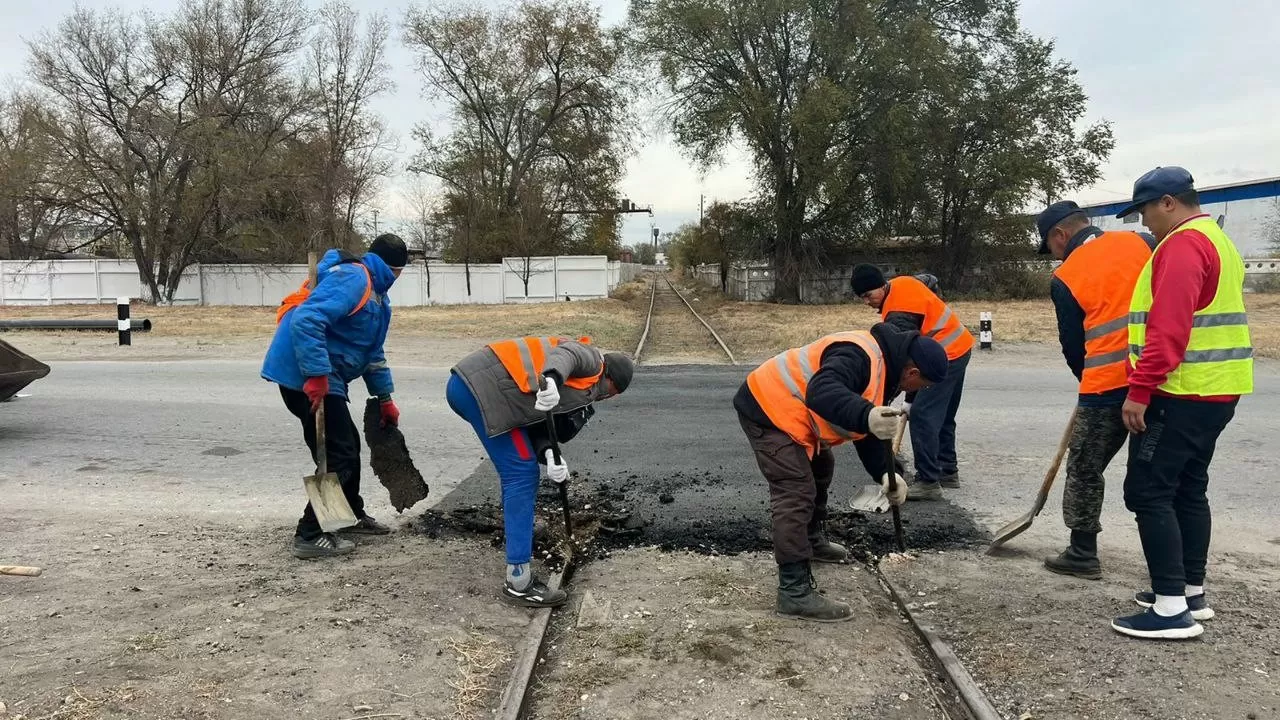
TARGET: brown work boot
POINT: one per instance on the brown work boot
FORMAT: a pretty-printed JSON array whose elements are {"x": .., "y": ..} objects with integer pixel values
[
  {"x": 798, "y": 596},
  {"x": 825, "y": 551}
]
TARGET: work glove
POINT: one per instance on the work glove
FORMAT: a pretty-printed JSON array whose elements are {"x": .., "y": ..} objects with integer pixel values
[
  {"x": 557, "y": 472},
  {"x": 899, "y": 493},
  {"x": 316, "y": 388},
  {"x": 548, "y": 397},
  {"x": 883, "y": 422},
  {"x": 390, "y": 413}
]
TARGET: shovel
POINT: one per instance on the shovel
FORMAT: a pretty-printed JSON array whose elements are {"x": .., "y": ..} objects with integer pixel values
[
  {"x": 329, "y": 503},
  {"x": 870, "y": 498},
  {"x": 1017, "y": 526},
  {"x": 564, "y": 486}
]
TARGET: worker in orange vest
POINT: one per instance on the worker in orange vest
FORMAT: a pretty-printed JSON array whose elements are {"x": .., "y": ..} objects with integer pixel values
[
  {"x": 908, "y": 304},
  {"x": 798, "y": 405},
  {"x": 1091, "y": 291},
  {"x": 505, "y": 390}
]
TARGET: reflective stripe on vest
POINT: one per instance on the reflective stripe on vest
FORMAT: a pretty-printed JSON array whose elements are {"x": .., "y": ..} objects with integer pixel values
[
  {"x": 1100, "y": 274},
  {"x": 1219, "y": 356},
  {"x": 780, "y": 384},
  {"x": 907, "y": 294},
  {"x": 524, "y": 359}
]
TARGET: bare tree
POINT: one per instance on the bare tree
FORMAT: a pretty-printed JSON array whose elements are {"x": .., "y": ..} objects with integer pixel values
[
  {"x": 348, "y": 68},
  {"x": 34, "y": 207},
  {"x": 144, "y": 111}
]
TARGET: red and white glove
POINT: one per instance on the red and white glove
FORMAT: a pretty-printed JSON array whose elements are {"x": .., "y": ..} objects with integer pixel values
[
  {"x": 390, "y": 413},
  {"x": 316, "y": 388}
]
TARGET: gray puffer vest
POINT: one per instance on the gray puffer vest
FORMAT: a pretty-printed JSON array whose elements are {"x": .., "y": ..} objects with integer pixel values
[{"x": 506, "y": 407}]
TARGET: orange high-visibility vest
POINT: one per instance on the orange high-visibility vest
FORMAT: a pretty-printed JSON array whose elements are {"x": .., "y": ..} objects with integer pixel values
[
  {"x": 296, "y": 298},
  {"x": 907, "y": 294},
  {"x": 1101, "y": 275},
  {"x": 780, "y": 384},
  {"x": 524, "y": 358}
]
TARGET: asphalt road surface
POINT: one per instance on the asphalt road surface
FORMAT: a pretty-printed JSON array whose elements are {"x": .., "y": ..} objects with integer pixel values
[{"x": 212, "y": 440}]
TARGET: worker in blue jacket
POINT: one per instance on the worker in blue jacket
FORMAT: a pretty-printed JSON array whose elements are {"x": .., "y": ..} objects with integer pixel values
[{"x": 327, "y": 337}]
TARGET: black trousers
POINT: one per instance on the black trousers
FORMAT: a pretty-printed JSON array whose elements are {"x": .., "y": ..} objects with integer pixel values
[
  {"x": 1166, "y": 485},
  {"x": 342, "y": 448}
]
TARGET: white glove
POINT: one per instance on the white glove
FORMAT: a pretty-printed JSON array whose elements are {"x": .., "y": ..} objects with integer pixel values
[
  {"x": 883, "y": 422},
  {"x": 899, "y": 493},
  {"x": 548, "y": 397},
  {"x": 558, "y": 472}
]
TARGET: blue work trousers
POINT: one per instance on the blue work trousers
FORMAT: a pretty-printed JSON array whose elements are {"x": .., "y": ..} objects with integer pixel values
[
  {"x": 933, "y": 424},
  {"x": 512, "y": 456}
]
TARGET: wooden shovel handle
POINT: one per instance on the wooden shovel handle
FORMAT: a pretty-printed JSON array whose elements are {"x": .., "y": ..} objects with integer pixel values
[
  {"x": 1052, "y": 473},
  {"x": 20, "y": 570},
  {"x": 902, "y": 429}
]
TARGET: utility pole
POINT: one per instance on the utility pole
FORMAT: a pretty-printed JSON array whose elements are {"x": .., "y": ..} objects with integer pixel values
[
  {"x": 375, "y": 221},
  {"x": 700, "y": 198}
]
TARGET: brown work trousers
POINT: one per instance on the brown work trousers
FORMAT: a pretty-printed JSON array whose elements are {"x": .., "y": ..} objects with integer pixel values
[{"x": 797, "y": 489}]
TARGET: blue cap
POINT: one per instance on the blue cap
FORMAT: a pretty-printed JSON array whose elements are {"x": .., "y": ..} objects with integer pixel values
[
  {"x": 1157, "y": 183},
  {"x": 1051, "y": 216},
  {"x": 929, "y": 358}
]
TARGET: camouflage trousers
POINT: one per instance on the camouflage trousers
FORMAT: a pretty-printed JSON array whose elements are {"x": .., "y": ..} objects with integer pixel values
[{"x": 1099, "y": 434}]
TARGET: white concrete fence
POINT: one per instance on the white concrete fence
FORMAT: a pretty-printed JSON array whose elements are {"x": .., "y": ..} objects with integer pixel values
[{"x": 61, "y": 282}]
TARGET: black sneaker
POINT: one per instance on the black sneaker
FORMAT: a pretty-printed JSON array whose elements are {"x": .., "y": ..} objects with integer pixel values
[
  {"x": 325, "y": 545},
  {"x": 367, "y": 526},
  {"x": 1196, "y": 604},
  {"x": 951, "y": 480},
  {"x": 537, "y": 595},
  {"x": 1151, "y": 625}
]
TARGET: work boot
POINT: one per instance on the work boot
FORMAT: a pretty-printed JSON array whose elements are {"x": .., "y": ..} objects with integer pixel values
[
  {"x": 798, "y": 596},
  {"x": 924, "y": 491},
  {"x": 825, "y": 551},
  {"x": 323, "y": 545},
  {"x": 1080, "y": 559},
  {"x": 950, "y": 480},
  {"x": 536, "y": 595},
  {"x": 367, "y": 526}
]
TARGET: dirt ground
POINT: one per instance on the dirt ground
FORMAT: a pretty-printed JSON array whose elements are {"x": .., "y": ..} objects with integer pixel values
[
  {"x": 1037, "y": 648},
  {"x": 203, "y": 623},
  {"x": 675, "y": 635}
]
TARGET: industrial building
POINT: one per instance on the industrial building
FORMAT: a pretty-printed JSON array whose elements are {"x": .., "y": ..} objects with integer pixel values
[{"x": 1250, "y": 212}]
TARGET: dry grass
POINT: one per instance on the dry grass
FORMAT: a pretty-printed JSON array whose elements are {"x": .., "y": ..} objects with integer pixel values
[
  {"x": 760, "y": 329},
  {"x": 94, "y": 706},
  {"x": 478, "y": 660},
  {"x": 610, "y": 323}
]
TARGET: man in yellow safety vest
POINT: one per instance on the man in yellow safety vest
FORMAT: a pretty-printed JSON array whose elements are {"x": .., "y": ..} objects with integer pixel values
[{"x": 1191, "y": 360}]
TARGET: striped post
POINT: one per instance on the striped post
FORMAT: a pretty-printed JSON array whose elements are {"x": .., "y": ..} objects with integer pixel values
[
  {"x": 985, "y": 335},
  {"x": 122, "y": 320}
]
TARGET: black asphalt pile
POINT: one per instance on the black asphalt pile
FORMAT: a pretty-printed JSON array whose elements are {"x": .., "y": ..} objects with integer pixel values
[
  {"x": 666, "y": 465},
  {"x": 389, "y": 457}
]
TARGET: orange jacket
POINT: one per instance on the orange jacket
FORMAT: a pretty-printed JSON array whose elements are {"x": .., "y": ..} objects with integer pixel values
[
  {"x": 780, "y": 384},
  {"x": 909, "y": 295},
  {"x": 1101, "y": 274}
]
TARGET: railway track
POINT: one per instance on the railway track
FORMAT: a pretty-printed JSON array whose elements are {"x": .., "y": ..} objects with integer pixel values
[
  {"x": 667, "y": 305},
  {"x": 673, "y": 328}
]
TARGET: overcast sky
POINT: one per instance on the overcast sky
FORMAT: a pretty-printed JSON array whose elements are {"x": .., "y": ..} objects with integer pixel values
[{"x": 1183, "y": 83}]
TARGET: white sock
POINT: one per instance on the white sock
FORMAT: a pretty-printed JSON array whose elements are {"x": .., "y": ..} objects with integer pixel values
[
  {"x": 1194, "y": 590},
  {"x": 519, "y": 576},
  {"x": 1170, "y": 605}
]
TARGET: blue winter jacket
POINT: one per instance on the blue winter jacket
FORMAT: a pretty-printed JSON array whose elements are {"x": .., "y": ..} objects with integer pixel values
[{"x": 322, "y": 337}]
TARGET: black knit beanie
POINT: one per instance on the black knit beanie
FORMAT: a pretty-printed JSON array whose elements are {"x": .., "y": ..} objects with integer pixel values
[
  {"x": 391, "y": 249},
  {"x": 866, "y": 278},
  {"x": 619, "y": 368}
]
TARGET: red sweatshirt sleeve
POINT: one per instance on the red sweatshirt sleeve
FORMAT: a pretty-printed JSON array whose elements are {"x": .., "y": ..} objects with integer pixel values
[{"x": 1184, "y": 279}]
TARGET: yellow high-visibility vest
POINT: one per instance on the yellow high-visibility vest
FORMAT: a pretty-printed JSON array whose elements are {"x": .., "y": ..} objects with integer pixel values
[{"x": 1219, "y": 356}]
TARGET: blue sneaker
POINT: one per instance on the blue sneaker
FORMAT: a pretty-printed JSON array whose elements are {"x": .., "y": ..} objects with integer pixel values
[
  {"x": 1197, "y": 604},
  {"x": 1154, "y": 626}
]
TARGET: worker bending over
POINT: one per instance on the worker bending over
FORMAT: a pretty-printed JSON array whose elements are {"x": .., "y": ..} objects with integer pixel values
[
  {"x": 908, "y": 304},
  {"x": 505, "y": 390},
  {"x": 795, "y": 407}
]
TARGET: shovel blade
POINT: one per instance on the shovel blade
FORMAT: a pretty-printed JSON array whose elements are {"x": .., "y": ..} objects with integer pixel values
[
  {"x": 330, "y": 505},
  {"x": 1012, "y": 530},
  {"x": 869, "y": 498}
]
